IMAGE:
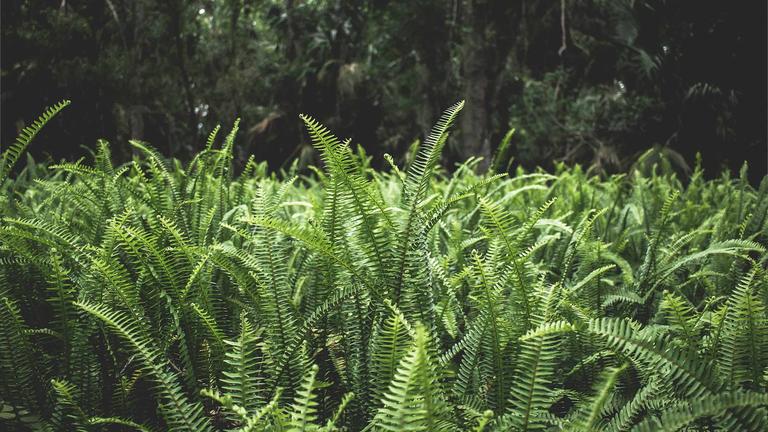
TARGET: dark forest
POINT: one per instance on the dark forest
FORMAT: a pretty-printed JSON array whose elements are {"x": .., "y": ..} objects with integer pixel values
[
  {"x": 415, "y": 216},
  {"x": 587, "y": 81}
]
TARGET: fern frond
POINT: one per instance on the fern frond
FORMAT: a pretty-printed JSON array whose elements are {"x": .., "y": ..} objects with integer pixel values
[
  {"x": 589, "y": 417},
  {"x": 414, "y": 401},
  {"x": 691, "y": 377},
  {"x": 240, "y": 380},
  {"x": 530, "y": 392},
  {"x": 16, "y": 364},
  {"x": 303, "y": 412},
  {"x": 11, "y": 155},
  {"x": 179, "y": 413},
  {"x": 389, "y": 344},
  {"x": 743, "y": 342},
  {"x": 682, "y": 414}
]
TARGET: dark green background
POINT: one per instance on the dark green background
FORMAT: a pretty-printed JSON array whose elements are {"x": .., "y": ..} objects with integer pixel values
[{"x": 617, "y": 78}]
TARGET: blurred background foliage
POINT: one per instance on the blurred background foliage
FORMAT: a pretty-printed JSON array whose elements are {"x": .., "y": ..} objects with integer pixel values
[{"x": 597, "y": 82}]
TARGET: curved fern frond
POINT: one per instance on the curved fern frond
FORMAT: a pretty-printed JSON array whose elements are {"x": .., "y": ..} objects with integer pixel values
[
  {"x": 590, "y": 416},
  {"x": 692, "y": 378},
  {"x": 12, "y": 153},
  {"x": 179, "y": 413},
  {"x": 682, "y": 414}
]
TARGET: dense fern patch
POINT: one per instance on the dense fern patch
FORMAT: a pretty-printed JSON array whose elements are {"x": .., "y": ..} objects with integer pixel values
[{"x": 156, "y": 295}]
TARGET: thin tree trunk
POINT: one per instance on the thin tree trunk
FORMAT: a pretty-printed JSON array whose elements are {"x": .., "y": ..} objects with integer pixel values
[
  {"x": 177, "y": 21},
  {"x": 475, "y": 121}
]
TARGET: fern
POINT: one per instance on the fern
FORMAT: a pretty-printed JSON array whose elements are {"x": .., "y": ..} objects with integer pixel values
[
  {"x": 11, "y": 155},
  {"x": 388, "y": 346},
  {"x": 680, "y": 415},
  {"x": 530, "y": 393},
  {"x": 744, "y": 340},
  {"x": 163, "y": 295},
  {"x": 240, "y": 380},
  {"x": 178, "y": 412},
  {"x": 15, "y": 362},
  {"x": 413, "y": 401}
]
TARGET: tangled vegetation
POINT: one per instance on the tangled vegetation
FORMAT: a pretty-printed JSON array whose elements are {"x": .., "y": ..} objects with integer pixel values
[{"x": 156, "y": 295}]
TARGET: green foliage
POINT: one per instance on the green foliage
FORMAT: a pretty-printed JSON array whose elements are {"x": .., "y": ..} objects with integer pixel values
[
  {"x": 11, "y": 154},
  {"x": 590, "y": 81},
  {"x": 415, "y": 400},
  {"x": 559, "y": 117},
  {"x": 161, "y": 296}
]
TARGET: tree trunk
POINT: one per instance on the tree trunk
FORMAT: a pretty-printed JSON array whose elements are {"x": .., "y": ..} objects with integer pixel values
[
  {"x": 474, "y": 137},
  {"x": 177, "y": 29}
]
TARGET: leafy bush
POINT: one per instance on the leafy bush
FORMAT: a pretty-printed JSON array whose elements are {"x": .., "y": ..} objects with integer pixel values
[
  {"x": 160, "y": 296},
  {"x": 602, "y": 126}
]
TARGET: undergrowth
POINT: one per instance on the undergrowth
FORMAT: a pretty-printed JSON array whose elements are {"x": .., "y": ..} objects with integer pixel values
[{"x": 157, "y": 295}]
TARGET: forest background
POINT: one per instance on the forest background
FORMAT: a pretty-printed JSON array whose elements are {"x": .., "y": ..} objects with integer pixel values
[{"x": 597, "y": 82}]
